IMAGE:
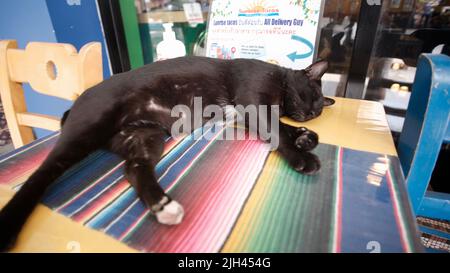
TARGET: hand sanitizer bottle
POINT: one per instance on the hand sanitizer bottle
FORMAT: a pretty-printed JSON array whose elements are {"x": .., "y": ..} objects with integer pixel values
[{"x": 169, "y": 47}]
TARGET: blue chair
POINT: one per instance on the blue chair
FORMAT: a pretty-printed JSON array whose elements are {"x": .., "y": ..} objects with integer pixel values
[{"x": 424, "y": 131}]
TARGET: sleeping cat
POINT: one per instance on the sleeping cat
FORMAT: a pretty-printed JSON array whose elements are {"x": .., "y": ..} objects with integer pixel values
[{"x": 129, "y": 114}]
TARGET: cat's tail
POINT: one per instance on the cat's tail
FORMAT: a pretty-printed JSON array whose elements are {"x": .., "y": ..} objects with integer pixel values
[{"x": 14, "y": 215}]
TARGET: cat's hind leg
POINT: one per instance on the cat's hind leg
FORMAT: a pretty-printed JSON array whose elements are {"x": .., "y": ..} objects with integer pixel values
[{"x": 142, "y": 147}]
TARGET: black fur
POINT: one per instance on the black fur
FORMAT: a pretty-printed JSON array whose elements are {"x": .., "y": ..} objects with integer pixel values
[{"x": 114, "y": 115}]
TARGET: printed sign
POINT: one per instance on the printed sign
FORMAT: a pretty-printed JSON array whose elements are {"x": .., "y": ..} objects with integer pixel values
[
  {"x": 193, "y": 12},
  {"x": 282, "y": 32}
]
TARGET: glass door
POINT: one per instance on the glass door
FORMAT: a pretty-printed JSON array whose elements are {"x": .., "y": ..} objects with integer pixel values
[
  {"x": 338, "y": 25},
  {"x": 407, "y": 28}
]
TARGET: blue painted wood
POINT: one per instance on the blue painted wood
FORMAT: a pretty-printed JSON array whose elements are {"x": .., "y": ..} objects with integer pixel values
[
  {"x": 434, "y": 232},
  {"x": 78, "y": 23},
  {"x": 424, "y": 131},
  {"x": 447, "y": 135},
  {"x": 435, "y": 205}
]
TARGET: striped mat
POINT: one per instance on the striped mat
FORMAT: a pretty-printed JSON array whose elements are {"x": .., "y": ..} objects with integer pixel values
[{"x": 238, "y": 197}]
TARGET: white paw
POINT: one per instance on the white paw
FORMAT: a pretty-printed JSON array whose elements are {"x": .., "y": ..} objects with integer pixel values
[{"x": 171, "y": 214}]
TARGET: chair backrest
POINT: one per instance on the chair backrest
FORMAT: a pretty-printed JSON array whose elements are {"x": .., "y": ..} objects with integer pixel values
[
  {"x": 50, "y": 68},
  {"x": 426, "y": 124}
]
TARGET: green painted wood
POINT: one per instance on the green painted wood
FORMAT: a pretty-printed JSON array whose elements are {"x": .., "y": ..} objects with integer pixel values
[{"x": 132, "y": 34}]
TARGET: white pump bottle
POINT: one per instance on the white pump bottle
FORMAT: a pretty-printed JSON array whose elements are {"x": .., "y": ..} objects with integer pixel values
[{"x": 169, "y": 47}]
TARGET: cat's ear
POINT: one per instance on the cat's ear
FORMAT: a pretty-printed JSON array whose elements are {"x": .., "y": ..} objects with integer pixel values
[
  {"x": 328, "y": 101},
  {"x": 316, "y": 70}
]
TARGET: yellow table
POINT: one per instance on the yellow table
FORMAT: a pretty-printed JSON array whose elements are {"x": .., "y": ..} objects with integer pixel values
[{"x": 355, "y": 124}]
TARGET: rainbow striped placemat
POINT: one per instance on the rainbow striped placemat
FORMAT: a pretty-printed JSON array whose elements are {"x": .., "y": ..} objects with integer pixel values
[{"x": 238, "y": 197}]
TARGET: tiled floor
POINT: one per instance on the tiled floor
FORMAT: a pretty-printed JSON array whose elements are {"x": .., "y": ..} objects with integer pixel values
[
  {"x": 5, "y": 139},
  {"x": 6, "y": 148},
  {"x": 435, "y": 234}
]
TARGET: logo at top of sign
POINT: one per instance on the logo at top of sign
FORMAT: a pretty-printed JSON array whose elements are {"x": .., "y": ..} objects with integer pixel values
[{"x": 258, "y": 8}]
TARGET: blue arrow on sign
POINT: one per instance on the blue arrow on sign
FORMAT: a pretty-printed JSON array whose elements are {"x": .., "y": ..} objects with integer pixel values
[{"x": 294, "y": 56}]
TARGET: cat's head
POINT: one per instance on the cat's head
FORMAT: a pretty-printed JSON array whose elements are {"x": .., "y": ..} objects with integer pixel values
[{"x": 304, "y": 99}]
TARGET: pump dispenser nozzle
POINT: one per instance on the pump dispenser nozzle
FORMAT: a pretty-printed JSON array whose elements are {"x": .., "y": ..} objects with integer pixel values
[
  {"x": 169, "y": 47},
  {"x": 168, "y": 34}
]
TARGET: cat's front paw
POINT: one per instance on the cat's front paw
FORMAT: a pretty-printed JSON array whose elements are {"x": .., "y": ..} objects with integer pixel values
[
  {"x": 306, "y": 140},
  {"x": 171, "y": 214},
  {"x": 306, "y": 163}
]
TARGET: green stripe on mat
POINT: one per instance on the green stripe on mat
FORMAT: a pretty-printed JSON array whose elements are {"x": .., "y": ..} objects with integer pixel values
[{"x": 287, "y": 211}]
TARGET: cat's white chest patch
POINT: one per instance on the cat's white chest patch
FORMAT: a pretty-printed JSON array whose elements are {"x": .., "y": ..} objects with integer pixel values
[{"x": 153, "y": 106}]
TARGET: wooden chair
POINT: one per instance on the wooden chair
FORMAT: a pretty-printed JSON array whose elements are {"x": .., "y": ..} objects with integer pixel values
[
  {"x": 50, "y": 68},
  {"x": 425, "y": 129}
]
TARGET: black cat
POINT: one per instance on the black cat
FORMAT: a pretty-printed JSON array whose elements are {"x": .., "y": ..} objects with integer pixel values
[{"x": 129, "y": 114}]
